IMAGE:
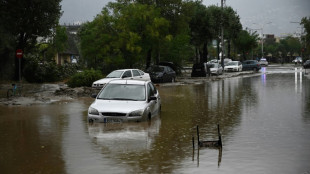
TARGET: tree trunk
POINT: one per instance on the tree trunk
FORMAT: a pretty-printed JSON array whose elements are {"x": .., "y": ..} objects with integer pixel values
[
  {"x": 204, "y": 53},
  {"x": 228, "y": 48},
  {"x": 148, "y": 58},
  {"x": 218, "y": 49}
]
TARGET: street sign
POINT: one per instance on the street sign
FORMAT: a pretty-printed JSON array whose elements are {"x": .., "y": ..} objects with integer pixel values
[{"x": 19, "y": 53}]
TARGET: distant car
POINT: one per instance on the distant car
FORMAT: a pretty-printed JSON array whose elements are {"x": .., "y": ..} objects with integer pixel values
[
  {"x": 297, "y": 60},
  {"x": 226, "y": 60},
  {"x": 198, "y": 70},
  {"x": 233, "y": 66},
  {"x": 307, "y": 64},
  {"x": 216, "y": 68},
  {"x": 125, "y": 100},
  {"x": 160, "y": 74},
  {"x": 173, "y": 66},
  {"x": 213, "y": 61},
  {"x": 263, "y": 62},
  {"x": 129, "y": 74},
  {"x": 253, "y": 65}
]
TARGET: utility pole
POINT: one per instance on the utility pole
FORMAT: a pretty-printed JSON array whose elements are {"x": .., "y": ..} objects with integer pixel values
[{"x": 222, "y": 34}]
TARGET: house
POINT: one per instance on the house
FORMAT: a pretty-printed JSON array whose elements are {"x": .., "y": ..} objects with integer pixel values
[{"x": 71, "y": 54}]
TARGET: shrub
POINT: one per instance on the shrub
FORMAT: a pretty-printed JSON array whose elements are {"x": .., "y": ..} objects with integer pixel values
[
  {"x": 37, "y": 72},
  {"x": 85, "y": 78}
]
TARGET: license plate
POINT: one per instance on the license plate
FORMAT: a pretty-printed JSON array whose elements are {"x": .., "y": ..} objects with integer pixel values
[{"x": 112, "y": 120}]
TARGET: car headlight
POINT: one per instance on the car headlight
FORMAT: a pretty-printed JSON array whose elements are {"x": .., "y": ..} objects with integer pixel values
[
  {"x": 136, "y": 113},
  {"x": 93, "y": 111}
]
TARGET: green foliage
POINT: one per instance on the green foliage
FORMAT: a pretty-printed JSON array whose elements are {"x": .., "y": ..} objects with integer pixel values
[
  {"x": 22, "y": 22},
  {"x": 37, "y": 72},
  {"x": 245, "y": 42},
  {"x": 306, "y": 38},
  {"x": 85, "y": 78},
  {"x": 122, "y": 34}
]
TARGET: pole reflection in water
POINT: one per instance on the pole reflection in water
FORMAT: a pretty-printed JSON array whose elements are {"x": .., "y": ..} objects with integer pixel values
[
  {"x": 263, "y": 76},
  {"x": 296, "y": 79}
]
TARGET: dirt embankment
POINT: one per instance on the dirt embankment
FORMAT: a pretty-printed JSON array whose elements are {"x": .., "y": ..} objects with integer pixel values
[
  {"x": 43, "y": 94},
  {"x": 48, "y": 93}
]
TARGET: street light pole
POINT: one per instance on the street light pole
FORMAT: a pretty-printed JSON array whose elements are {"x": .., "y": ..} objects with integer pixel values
[
  {"x": 262, "y": 40},
  {"x": 222, "y": 35}
]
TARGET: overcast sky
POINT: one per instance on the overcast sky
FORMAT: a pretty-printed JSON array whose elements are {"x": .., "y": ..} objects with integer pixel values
[{"x": 253, "y": 13}]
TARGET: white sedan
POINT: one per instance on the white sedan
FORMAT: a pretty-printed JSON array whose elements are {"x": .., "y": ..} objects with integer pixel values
[
  {"x": 128, "y": 74},
  {"x": 125, "y": 100},
  {"x": 233, "y": 66},
  {"x": 216, "y": 68}
]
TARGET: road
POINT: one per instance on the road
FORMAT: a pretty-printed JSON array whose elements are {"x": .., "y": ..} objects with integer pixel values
[{"x": 264, "y": 119}]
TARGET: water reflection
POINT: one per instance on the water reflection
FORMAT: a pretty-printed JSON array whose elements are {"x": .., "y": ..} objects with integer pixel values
[
  {"x": 124, "y": 137},
  {"x": 298, "y": 71},
  {"x": 264, "y": 125}
]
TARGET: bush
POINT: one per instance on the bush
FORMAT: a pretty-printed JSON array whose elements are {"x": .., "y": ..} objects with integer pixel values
[
  {"x": 85, "y": 78},
  {"x": 36, "y": 72}
]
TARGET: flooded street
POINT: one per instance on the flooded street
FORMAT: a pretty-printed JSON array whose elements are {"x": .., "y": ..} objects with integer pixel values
[{"x": 264, "y": 121}]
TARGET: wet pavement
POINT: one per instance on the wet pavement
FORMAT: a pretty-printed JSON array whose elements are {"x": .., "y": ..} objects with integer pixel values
[{"x": 264, "y": 120}]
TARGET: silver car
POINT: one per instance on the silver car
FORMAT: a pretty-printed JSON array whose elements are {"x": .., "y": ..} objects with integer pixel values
[
  {"x": 125, "y": 100},
  {"x": 128, "y": 74},
  {"x": 216, "y": 69}
]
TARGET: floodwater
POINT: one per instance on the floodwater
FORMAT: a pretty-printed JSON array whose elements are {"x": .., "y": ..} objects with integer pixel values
[{"x": 264, "y": 122}]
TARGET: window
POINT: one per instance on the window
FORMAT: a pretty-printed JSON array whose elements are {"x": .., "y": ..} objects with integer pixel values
[
  {"x": 135, "y": 73},
  {"x": 127, "y": 74}
]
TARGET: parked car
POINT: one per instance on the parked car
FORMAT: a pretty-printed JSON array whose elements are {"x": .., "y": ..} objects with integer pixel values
[
  {"x": 233, "y": 66},
  {"x": 226, "y": 60},
  {"x": 161, "y": 74},
  {"x": 173, "y": 66},
  {"x": 213, "y": 61},
  {"x": 253, "y": 65},
  {"x": 263, "y": 62},
  {"x": 198, "y": 70},
  {"x": 216, "y": 68},
  {"x": 297, "y": 60},
  {"x": 307, "y": 64},
  {"x": 129, "y": 74},
  {"x": 125, "y": 100}
]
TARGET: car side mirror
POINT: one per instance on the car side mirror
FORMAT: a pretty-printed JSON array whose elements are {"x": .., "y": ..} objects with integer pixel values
[
  {"x": 94, "y": 95},
  {"x": 152, "y": 98}
]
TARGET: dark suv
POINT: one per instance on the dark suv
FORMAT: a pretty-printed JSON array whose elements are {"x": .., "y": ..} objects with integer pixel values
[{"x": 251, "y": 65}]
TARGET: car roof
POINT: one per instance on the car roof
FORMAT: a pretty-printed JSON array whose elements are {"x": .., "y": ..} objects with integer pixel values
[
  {"x": 130, "y": 82},
  {"x": 125, "y": 69}
]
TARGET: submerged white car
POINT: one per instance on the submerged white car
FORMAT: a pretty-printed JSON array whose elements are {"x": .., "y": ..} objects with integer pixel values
[
  {"x": 233, "y": 66},
  {"x": 125, "y": 100},
  {"x": 128, "y": 74}
]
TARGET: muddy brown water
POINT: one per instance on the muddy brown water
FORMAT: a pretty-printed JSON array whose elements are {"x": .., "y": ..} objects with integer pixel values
[{"x": 264, "y": 121}]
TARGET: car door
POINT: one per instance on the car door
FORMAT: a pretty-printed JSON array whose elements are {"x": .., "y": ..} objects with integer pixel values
[
  {"x": 127, "y": 75},
  {"x": 145, "y": 76},
  {"x": 154, "y": 105},
  {"x": 136, "y": 75}
]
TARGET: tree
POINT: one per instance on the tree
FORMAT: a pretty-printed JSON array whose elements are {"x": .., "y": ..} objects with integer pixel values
[
  {"x": 245, "y": 42},
  {"x": 232, "y": 27},
  {"x": 202, "y": 30},
  {"x": 306, "y": 39},
  {"x": 23, "y": 21},
  {"x": 123, "y": 34}
]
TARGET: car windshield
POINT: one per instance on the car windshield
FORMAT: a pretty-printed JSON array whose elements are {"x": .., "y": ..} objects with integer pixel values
[
  {"x": 123, "y": 92},
  {"x": 212, "y": 65},
  {"x": 156, "y": 69},
  {"x": 115, "y": 74},
  {"x": 232, "y": 63}
]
